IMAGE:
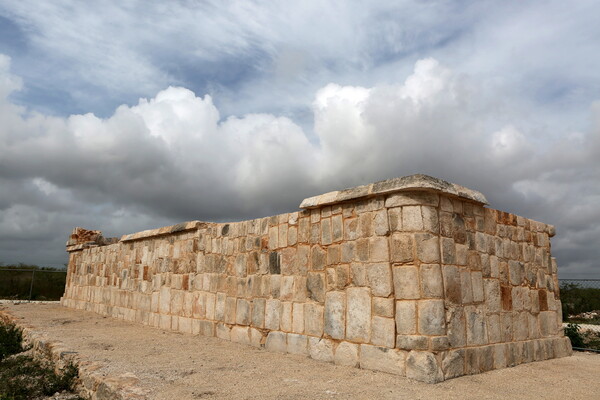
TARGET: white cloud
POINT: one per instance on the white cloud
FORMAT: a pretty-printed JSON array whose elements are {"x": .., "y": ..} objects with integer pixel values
[{"x": 172, "y": 157}]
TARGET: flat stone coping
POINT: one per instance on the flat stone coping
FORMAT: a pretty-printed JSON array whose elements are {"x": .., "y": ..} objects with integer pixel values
[{"x": 418, "y": 182}]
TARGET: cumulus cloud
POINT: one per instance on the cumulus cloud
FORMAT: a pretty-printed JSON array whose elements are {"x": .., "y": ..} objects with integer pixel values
[{"x": 175, "y": 157}]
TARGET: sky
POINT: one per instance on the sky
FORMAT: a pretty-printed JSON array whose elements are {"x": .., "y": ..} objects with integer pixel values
[{"x": 123, "y": 116}]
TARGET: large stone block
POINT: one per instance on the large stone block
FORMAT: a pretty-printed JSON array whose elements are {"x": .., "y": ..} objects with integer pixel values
[
  {"x": 406, "y": 317},
  {"x": 406, "y": 282},
  {"x": 276, "y": 341},
  {"x": 383, "y": 331},
  {"x": 346, "y": 353},
  {"x": 321, "y": 349},
  {"x": 297, "y": 344},
  {"x": 423, "y": 366},
  {"x": 432, "y": 317},
  {"x": 335, "y": 314},
  {"x": 402, "y": 247},
  {"x": 273, "y": 315},
  {"x": 313, "y": 319},
  {"x": 379, "y": 277},
  {"x": 382, "y": 359},
  {"x": 428, "y": 247},
  {"x": 358, "y": 314},
  {"x": 432, "y": 284}
]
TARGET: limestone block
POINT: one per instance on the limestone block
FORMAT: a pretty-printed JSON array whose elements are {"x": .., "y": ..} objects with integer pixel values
[
  {"x": 402, "y": 247},
  {"x": 223, "y": 331},
  {"x": 230, "y": 309},
  {"x": 326, "y": 237},
  {"x": 220, "y": 306},
  {"x": 412, "y": 220},
  {"x": 298, "y": 318},
  {"x": 448, "y": 251},
  {"x": 313, "y": 319},
  {"x": 432, "y": 285},
  {"x": 430, "y": 219},
  {"x": 337, "y": 230},
  {"x": 242, "y": 315},
  {"x": 240, "y": 334},
  {"x": 286, "y": 316},
  {"x": 492, "y": 294},
  {"x": 256, "y": 337},
  {"x": 500, "y": 360},
  {"x": 321, "y": 349},
  {"x": 165, "y": 322},
  {"x": 362, "y": 249},
  {"x": 382, "y": 359},
  {"x": 379, "y": 277},
  {"x": 547, "y": 323},
  {"x": 315, "y": 284},
  {"x": 276, "y": 341},
  {"x": 273, "y": 237},
  {"x": 406, "y": 317},
  {"x": 477, "y": 286},
  {"x": 358, "y": 314},
  {"x": 427, "y": 247},
  {"x": 318, "y": 258},
  {"x": 486, "y": 358},
  {"x": 412, "y": 342},
  {"x": 494, "y": 328},
  {"x": 466, "y": 285},
  {"x": 516, "y": 272},
  {"x": 406, "y": 282},
  {"x": 283, "y": 235},
  {"x": 453, "y": 364},
  {"x": 346, "y": 354},
  {"x": 439, "y": 343},
  {"x": 297, "y": 344},
  {"x": 286, "y": 289},
  {"x": 273, "y": 314},
  {"x": 395, "y": 218},
  {"x": 422, "y": 366},
  {"x": 383, "y": 332},
  {"x": 380, "y": 223},
  {"x": 378, "y": 249},
  {"x": 335, "y": 314},
  {"x": 520, "y": 325},
  {"x": 452, "y": 284},
  {"x": 165, "y": 300},
  {"x": 383, "y": 307},
  {"x": 258, "y": 312},
  {"x": 432, "y": 317},
  {"x": 476, "y": 326}
]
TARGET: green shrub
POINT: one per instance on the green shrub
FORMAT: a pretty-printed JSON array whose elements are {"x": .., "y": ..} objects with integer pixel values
[
  {"x": 11, "y": 338},
  {"x": 572, "y": 332},
  {"x": 22, "y": 377}
]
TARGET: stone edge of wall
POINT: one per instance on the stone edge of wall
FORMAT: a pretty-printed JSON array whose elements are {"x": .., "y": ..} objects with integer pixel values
[
  {"x": 417, "y": 182},
  {"x": 92, "y": 384}
]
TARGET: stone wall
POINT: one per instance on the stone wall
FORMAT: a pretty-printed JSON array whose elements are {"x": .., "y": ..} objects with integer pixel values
[{"x": 411, "y": 276}]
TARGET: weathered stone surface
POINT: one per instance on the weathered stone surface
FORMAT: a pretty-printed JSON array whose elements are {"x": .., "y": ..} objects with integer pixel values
[
  {"x": 273, "y": 314},
  {"x": 422, "y": 366},
  {"x": 335, "y": 314},
  {"x": 297, "y": 344},
  {"x": 379, "y": 277},
  {"x": 383, "y": 331},
  {"x": 358, "y": 314},
  {"x": 321, "y": 349},
  {"x": 382, "y": 359},
  {"x": 315, "y": 285},
  {"x": 383, "y": 307},
  {"x": 428, "y": 248},
  {"x": 402, "y": 247},
  {"x": 242, "y": 314},
  {"x": 346, "y": 353},
  {"x": 406, "y": 317},
  {"x": 432, "y": 317},
  {"x": 412, "y": 342},
  {"x": 432, "y": 284},
  {"x": 453, "y": 364},
  {"x": 406, "y": 282},
  {"x": 313, "y": 319},
  {"x": 276, "y": 341}
]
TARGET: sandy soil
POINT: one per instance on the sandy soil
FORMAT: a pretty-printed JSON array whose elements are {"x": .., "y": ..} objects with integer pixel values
[{"x": 179, "y": 366}]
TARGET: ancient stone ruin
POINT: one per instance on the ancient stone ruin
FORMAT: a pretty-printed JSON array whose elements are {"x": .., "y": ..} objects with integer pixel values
[{"x": 411, "y": 276}]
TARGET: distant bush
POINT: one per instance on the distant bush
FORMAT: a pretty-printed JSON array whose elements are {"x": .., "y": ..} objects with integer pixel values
[
  {"x": 15, "y": 282},
  {"x": 576, "y": 300},
  {"x": 572, "y": 332}
]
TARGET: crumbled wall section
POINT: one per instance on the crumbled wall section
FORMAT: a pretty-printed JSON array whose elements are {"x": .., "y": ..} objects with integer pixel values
[{"x": 411, "y": 276}]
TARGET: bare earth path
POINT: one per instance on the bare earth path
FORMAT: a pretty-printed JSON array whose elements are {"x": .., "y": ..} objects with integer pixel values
[{"x": 178, "y": 366}]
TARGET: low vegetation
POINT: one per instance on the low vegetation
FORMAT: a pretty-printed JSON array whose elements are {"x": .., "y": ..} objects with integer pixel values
[
  {"x": 23, "y": 377},
  {"x": 15, "y": 282}
]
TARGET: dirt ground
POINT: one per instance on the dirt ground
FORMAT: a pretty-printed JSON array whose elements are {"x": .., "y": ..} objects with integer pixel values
[{"x": 180, "y": 366}]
